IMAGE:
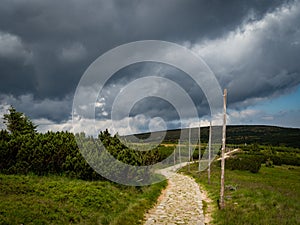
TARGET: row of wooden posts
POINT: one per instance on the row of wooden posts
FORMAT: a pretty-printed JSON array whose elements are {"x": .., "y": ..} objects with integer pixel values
[{"x": 221, "y": 201}]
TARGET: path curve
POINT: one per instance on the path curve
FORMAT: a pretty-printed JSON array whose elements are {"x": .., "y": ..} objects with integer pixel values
[{"x": 180, "y": 203}]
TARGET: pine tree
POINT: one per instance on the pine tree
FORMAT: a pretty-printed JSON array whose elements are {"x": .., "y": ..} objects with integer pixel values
[{"x": 17, "y": 123}]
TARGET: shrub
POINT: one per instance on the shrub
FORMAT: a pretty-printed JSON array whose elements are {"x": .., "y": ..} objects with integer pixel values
[
  {"x": 251, "y": 163},
  {"x": 58, "y": 153},
  {"x": 49, "y": 153},
  {"x": 283, "y": 158},
  {"x": 23, "y": 151}
]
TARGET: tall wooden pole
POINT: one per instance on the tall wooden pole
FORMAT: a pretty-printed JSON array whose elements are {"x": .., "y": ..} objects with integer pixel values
[
  {"x": 222, "y": 203},
  {"x": 199, "y": 133},
  {"x": 209, "y": 153},
  {"x": 179, "y": 152},
  {"x": 174, "y": 156},
  {"x": 189, "y": 148}
]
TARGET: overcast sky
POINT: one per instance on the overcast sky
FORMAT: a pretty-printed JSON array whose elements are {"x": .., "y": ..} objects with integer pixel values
[{"x": 252, "y": 46}]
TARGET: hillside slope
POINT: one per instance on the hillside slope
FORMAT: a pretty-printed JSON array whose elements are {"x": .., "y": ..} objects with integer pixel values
[{"x": 241, "y": 134}]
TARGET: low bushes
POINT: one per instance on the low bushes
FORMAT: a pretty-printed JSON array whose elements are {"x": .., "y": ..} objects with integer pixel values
[
  {"x": 23, "y": 150},
  {"x": 58, "y": 153},
  {"x": 251, "y": 163},
  {"x": 284, "y": 159},
  {"x": 49, "y": 153}
]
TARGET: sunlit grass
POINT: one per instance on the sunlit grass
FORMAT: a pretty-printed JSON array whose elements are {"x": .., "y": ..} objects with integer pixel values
[
  {"x": 59, "y": 200},
  {"x": 270, "y": 196}
]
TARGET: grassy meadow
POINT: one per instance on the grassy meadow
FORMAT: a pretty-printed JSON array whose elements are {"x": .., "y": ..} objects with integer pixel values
[
  {"x": 31, "y": 199},
  {"x": 270, "y": 196}
]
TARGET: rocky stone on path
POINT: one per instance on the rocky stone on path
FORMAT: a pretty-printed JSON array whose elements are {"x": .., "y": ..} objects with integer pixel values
[{"x": 181, "y": 203}]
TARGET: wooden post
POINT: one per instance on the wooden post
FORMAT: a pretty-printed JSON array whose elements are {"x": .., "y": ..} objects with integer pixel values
[
  {"x": 189, "y": 148},
  {"x": 222, "y": 203},
  {"x": 209, "y": 153},
  {"x": 199, "y": 133},
  {"x": 179, "y": 152},
  {"x": 174, "y": 156}
]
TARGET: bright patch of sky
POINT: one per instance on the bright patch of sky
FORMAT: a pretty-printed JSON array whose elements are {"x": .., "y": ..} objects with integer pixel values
[{"x": 287, "y": 102}]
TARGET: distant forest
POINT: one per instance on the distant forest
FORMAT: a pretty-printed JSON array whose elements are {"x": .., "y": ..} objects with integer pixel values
[{"x": 245, "y": 134}]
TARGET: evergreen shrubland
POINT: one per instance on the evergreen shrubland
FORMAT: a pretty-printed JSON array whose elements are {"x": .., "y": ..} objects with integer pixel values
[{"x": 23, "y": 150}]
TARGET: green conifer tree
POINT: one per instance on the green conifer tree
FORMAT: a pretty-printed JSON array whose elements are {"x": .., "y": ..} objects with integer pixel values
[{"x": 17, "y": 123}]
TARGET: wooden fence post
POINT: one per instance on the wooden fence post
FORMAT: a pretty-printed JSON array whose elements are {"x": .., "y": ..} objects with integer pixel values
[
  {"x": 209, "y": 153},
  {"x": 199, "y": 133},
  {"x": 222, "y": 203}
]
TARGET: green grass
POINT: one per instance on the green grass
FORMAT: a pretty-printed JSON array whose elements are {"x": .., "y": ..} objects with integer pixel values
[
  {"x": 60, "y": 200},
  {"x": 271, "y": 196}
]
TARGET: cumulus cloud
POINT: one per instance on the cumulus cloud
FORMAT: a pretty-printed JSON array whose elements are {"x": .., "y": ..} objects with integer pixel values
[
  {"x": 53, "y": 109},
  {"x": 125, "y": 126},
  {"x": 11, "y": 47}
]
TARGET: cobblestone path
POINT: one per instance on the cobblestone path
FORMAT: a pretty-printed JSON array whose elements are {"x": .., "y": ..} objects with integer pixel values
[{"x": 181, "y": 202}]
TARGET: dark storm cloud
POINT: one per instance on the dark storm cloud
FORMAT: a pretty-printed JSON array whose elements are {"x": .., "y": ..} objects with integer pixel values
[
  {"x": 52, "y": 109},
  {"x": 17, "y": 75},
  {"x": 259, "y": 60},
  {"x": 153, "y": 106},
  {"x": 47, "y": 27},
  {"x": 59, "y": 39}
]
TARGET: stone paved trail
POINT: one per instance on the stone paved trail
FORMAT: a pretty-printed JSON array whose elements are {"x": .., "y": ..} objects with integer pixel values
[{"x": 181, "y": 202}]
